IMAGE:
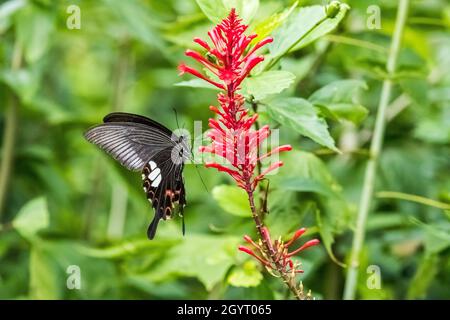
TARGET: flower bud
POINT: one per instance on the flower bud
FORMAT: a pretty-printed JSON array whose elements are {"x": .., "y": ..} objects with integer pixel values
[{"x": 332, "y": 9}]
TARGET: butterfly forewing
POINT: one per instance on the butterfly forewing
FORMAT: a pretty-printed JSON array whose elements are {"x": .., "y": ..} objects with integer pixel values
[{"x": 140, "y": 143}]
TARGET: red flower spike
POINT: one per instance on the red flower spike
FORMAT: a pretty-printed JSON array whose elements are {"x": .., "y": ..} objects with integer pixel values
[
  {"x": 253, "y": 243},
  {"x": 232, "y": 135},
  {"x": 265, "y": 234},
  {"x": 185, "y": 69},
  {"x": 280, "y": 258},
  {"x": 308, "y": 244},
  {"x": 275, "y": 151},
  {"x": 202, "y": 43},
  {"x": 297, "y": 235},
  {"x": 250, "y": 252}
]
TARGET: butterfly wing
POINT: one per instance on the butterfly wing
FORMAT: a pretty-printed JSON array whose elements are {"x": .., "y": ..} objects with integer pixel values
[
  {"x": 135, "y": 118},
  {"x": 142, "y": 144},
  {"x": 164, "y": 187}
]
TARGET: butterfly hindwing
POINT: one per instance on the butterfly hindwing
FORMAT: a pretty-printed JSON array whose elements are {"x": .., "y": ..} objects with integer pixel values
[
  {"x": 140, "y": 143},
  {"x": 163, "y": 185}
]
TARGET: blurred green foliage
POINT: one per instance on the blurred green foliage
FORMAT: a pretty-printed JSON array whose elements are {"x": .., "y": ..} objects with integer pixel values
[{"x": 66, "y": 203}]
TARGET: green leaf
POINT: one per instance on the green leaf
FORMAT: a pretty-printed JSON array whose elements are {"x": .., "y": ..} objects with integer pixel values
[
  {"x": 164, "y": 291},
  {"x": 214, "y": 10},
  {"x": 307, "y": 185},
  {"x": 125, "y": 249},
  {"x": 301, "y": 116},
  {"x": 267, "y": 83},
  {"x": 49, "y": 262},
  {"x": 323, "y": 28},
  {"x": 340, "y": 98},
  {"x": 217, "y": 10},
  {"x": 326, "y": 233},
  {"x": 34, "y": 31},
  {"x": 267, "y": 26},
  {"x": 424, "y": 276},
  {"x": 305, "y": 172},
  {"x": 232, "y": 199},
  {"x": 32, "y": 217},
  {"x": 45, "y": 282},
  {"x": 137, "y": 19},
  {"x": 7, "y": 9},
  {"x": 303, "y": 26},
  {"x": 196, "y": 83},
  {"x": 355, "y": 113},
  {"x": 246, "y": 276},
  {"x": 24, "y": 82},
  {"x": 437, "y": 237},
  {"x": 339, "y": 91},
  {"x": 207, "y": 258}
]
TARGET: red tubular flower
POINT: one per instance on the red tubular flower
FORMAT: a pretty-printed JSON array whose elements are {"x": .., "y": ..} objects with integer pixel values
[
  {"x": 279, "y": 251},
  {"x": 229, "y": 60}
]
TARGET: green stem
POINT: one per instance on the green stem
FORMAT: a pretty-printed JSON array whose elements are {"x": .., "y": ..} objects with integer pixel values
[
  {"x": 375, "y": 149},
  {"x": 261, "y": 191},
  {"x": 413, "y": 198},
  {"x": 9, "y": 135},
  {"x": 356, "y": 42}
]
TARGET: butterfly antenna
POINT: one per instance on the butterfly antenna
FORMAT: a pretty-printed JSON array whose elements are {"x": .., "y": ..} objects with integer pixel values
[
  {"x": 176, "y": 117},
  {"x": 183, "y": 225},
  {"x": 201, "y": 178}
]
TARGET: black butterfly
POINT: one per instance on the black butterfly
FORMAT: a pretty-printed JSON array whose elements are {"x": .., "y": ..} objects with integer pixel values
[{"x": 142, "y": 144}]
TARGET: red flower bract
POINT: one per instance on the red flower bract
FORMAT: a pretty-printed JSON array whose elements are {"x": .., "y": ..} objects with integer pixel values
[
  {"x": 229, "y": 60},
  {"x": 278, "y": 251}
]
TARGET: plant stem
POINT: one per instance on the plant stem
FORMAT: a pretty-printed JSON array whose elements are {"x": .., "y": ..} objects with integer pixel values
[
  {"x": 262, "y": 192},
  {"x": 375, "y": 149},
  {"x": 9, "y": 135},
  {"x": 413, "y": 198}
]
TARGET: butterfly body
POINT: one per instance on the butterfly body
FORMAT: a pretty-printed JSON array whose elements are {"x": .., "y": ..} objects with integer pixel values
[{"x": 142, "y": 144}]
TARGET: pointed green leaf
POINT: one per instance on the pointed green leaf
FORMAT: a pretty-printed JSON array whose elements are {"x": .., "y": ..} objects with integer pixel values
[
  {"x": 45, "y": 282},
  {"x": 326, "y": 233},
  {"x": 267, "y": 83},
  {"x": 265, "y": 28},
  {"x": 245, "y": 276},
  {"x": 207, "y": 258},
  {"x": 34, "y": 31},
  {"x": 32, "y": 217},
  {"x": 341, "y": 99},
  {"x": 304, "y": 25},
  {"x": 424, "y": 276},
  {"x": 217, "y": 10},
  {"x": 232, "y": 199},
  {"x": 301, "y": 116}
]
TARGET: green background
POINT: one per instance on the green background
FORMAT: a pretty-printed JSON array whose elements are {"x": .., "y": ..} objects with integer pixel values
[{"x": 66, "y": 203}]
